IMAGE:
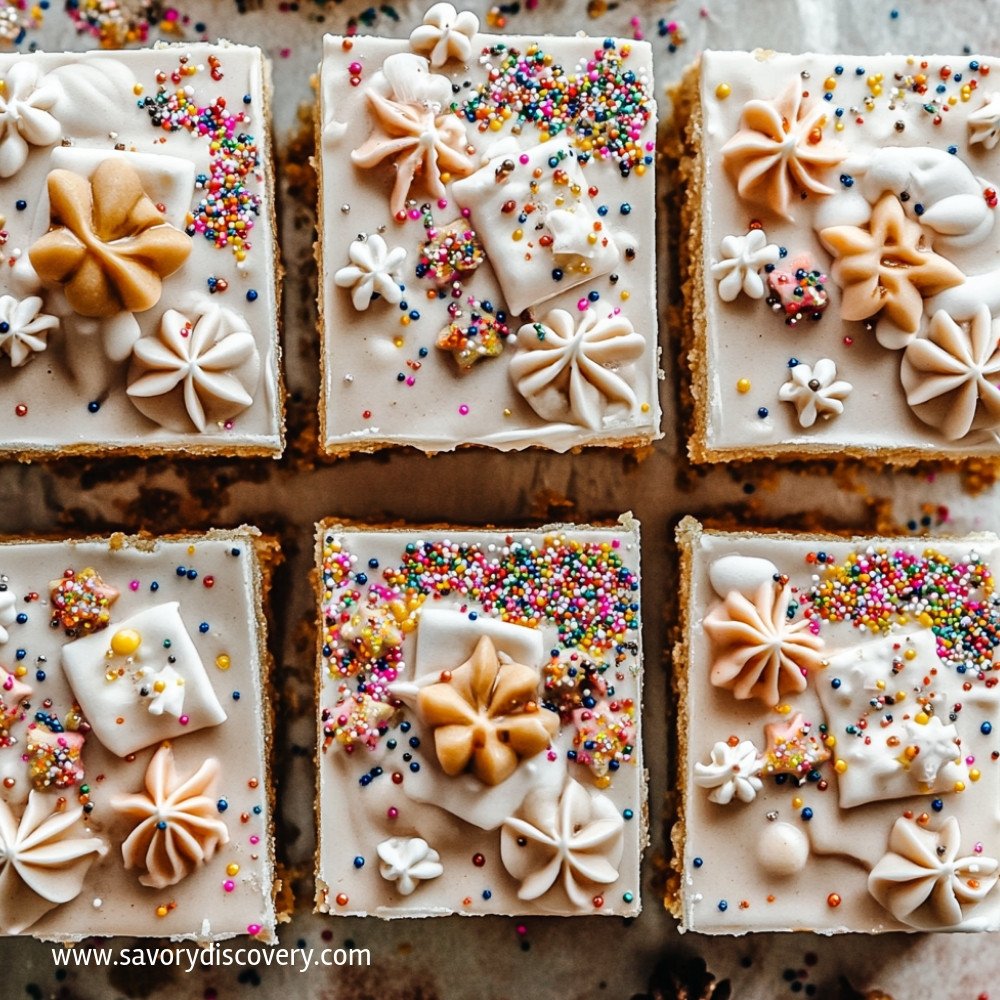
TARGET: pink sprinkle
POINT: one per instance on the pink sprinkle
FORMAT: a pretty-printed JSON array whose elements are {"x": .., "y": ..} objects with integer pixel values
[
  {"x": 255, "y": 840},
  {"x": 524, "y": 158},
  {"x": 229, "y": 885},
  {"x": 355, "y": 69},
  {"x": 442, "y": 202},
  {"x": 410, "y": 380},
  {"x": 551, "y": 755},
  {"x": 184, "y": 720},
  {"x": 254, "y": 929},
  {"x": 464, "y": 410},
  {"x": 466, "y": 213},
  {"x": 582, "y": 305},
  {"x": 133, "y": 585},
  {"x": 392, "y": 812},
  {"x": 414, "y": 213}
]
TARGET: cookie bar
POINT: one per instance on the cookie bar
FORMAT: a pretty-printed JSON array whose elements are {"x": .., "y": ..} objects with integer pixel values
[
  {"x": 838, "y": 730},
  {"x": 843, "y": 256},
  {"x": 135, "y": 737},
  {"x": 479, "y": 696},
  {"x": 139, "y": 293},
  {"x": 487, "y": 251}
]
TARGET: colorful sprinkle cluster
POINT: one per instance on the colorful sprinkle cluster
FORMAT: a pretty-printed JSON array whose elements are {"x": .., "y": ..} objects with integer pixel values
[
  {"x": 581, "y": 587},
  {"x": 53, "y": 755},
  {"x": 878, "y": 588},
  {"x": 798, "y": 294},
  {"x": 602, "y": 105},
  {"x": 937, "y": 89},
  {"x": 480, "y": 336},
  {"x": 81, "y": 602},
  {"x": 227, "y": 212},
  {"x": 358, "y": 720},
  {"x": 117, "y": 24},
  {"x": 17, "y": 18},
  {"x": 450, "y": 254},
  {"x": 604, "y": 738}
]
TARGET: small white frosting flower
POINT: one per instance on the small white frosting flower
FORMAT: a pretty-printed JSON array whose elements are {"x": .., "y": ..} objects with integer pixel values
[
  {"x": 742, "y": 258},
  {"x": 26, "y": 99},
  {"x": 984, "y": 124},
  {"x": 732, "y": 773},
  {"x": 445, "y": 34},
  {"x": 374, "y": 270},
  {"x": 935, "y": 744},
  {"x": 815, "y": 391},
  {"x": 23, "y": 327},
  {"x": 407, "y": 861}
]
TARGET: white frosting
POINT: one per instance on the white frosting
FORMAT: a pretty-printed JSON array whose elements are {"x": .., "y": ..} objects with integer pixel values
[
  {"x": 572, "y": 838},
  {"x": 162, "y": 638},
  {"x": 167, "y": 688},
  {"x": 445, "y": 34},
  {"x": 407, "y": 861},
  {"x": 741, "y": 260},
  {"x": 23, "y": 328},
  {"x": 950, "y": 196},
  {"x": 374, "y": 270},
  {"x": 26, "y": 100},
  {"x": 950, "y": 375},
  {"x": 815, "y": 391},
  {"x": 984, "y": 123},
  {"x": 744, "y": 574},
  {"x": 880, "y": 770},
  {"x": 44, "y": 858},
  {"x": 921, "y": 880},
  {"x": 732, "y": 773},
  {"x": 178, "y": 827},
  {"x": 578, "y": 372},
  {"x": 583, "y": 245},
  {"x": 201, "y": 369},
  {"x": 8, "y": 611}
]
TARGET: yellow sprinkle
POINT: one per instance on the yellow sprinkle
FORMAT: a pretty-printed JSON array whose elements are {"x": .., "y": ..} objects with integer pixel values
[
  {"x": 900, "y": 696},
  {"x": 232, "y": 869},
  {"x": 796, "y": 803},
  {"x": 830, "y": 83},
  {"x": 743, "y": 385},
  {"x": 603, "y": 781},
  {"x": 925, "y": 620},
  {"x": 644, "y": 407},
  {"x": 723, "y": 91},
  {"x": 223, "y": 662},
  {"x": 880, "y": 685},
  {"x": 125, "y": 642},
  {"x": 921, "y": 718},
  {"x": 838, "y": 126},
  {"x": 161, "y": 911},
  {"x": 974, "y": 774},
  {"x": 959, "y": 786},
  {"x": 516, "y": 235},
  {"x": 909, "y": 653},
  {"x": 840, "y": 766},
  {"x": 495, "y": 125},
  {"x": 625, "y": 296},
  {"x": 190, "y": 550},
  {"x": 783, "y": 709},
  {"x": 830, "y": 740},
  {"x": 506, "y": 412},
  {"x": 399, "y": 341}
]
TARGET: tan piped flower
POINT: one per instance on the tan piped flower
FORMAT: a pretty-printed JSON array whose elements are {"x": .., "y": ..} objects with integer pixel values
[
  {"x": 178, "y": 825},
  {"x": 781, "y": 149},
  {"x": 108, "y": 244},
  {"x": 887, "y": 266},
  {"x": 485, "y": 715},
  {"x": 761, "y": 653}
]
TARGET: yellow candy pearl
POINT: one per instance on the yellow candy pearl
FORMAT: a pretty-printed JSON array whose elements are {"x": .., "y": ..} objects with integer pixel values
[{"x": 125, "y": 642}]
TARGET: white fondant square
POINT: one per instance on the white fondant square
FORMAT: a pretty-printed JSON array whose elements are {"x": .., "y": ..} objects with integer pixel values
[
  {"x": 165, "y": 646},
  {"x": 561, "y": 214}
]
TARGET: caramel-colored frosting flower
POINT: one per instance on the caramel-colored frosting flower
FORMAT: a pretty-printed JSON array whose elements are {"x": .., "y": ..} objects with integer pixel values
[
  {"x": 415, "y": 128},
  {"x": 178, "y": 825},
  {"x": 782, "y": 149},
  {"x": 887, "y": 266},
  {"x": 108, "y": 245},
  {"x": 760, "y": 652},
  {"x": 485, "y": 715}
]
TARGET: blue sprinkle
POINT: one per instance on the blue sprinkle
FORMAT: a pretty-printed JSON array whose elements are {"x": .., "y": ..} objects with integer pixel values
[
  {"x": 627, "y": 813},
  {"x": 414, "y": 767},
  {"x": 203, "y": 627},
  {"x": 251, "y": 295},
  {"x": 423, "y": 352},
  {"x": 847, "y": 180},
  {"x": 698, "y": 862},
  {"x": 937, "y": 805},
  {"x": 222, "y": 805},
  {"x": 625, "y": 208},
  {"x": 94, "y": 405},
  {"x": 986, "y": 728},
  {"x": 487, "y": 894},
  {"x": 793, "y": 362},
  {"x": 807, "y": 814},
  {"x": 182, "y": 570},
  {"x": 192, "y": 574},
  {"x": 593, "y": 296},
  {"x": 839, "y": 70},
  {"x": 602, "y": 210},
  {"x": 918, "y": 209},
  {"x": 723, "y": 906},
  {"x": 953, "y": 150},
  {"x": 236, "y": 696},
  {"x": 234, "y": 552},
  {"x": 359, "y": 862},
  {"x": 154, "y": 586},
  {"x": 404, "y": 726},
  {"x": 762, "y": 412},
  {"x": 362, "y": 578},
  {"x": 39, "y": 675},
  {"x": 21, "y": 204},
  {"x": 835, "y": 683},
  {"x": 414, "y": 742},
  {"x": 22, "y": 618},
  {"x": 162, "y": 825}
]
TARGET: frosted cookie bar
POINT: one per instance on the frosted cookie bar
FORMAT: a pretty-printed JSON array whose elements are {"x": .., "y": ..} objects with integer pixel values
[
  {"x": 843, "y": 256},
  {"x": 838, "y": 719},
  {"x": 138, "y": 296},
  {"x": 487, "y": 240},
  {"x": 135, "y": 738},
  {"x": 479, "y": 697}
]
